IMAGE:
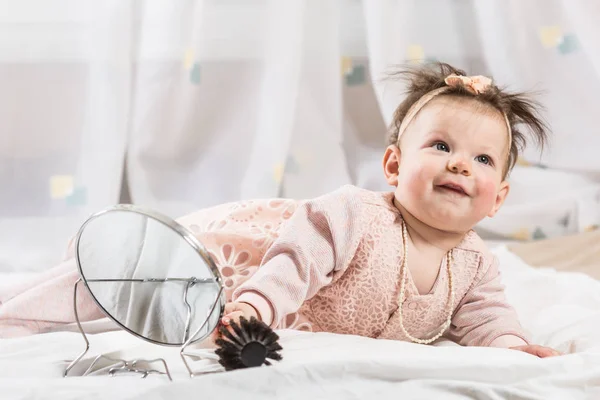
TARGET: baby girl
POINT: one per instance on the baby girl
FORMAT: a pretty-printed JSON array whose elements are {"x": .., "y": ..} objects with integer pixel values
[{"x": 406, "y": 264}]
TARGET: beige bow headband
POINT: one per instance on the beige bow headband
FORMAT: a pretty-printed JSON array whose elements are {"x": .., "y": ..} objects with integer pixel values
[{"x": 474, "y": 84}]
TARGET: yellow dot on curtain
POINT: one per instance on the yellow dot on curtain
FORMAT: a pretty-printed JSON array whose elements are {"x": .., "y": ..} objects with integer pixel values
[
  {"x": 61, "y": 186},
  {"x": 278, "y": 172},
  {"x": 590, "y": 228},
  {"x": 523, "y": 162},
  {"x": 415, "y": 53},
  {"x": 550, "y": 36},
  {"x": 188, "y": 59},
  {"x": 345, "y": 65},
  {"x": 521, "y": 234}
]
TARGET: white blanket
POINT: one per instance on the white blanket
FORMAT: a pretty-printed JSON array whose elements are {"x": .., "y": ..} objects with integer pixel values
[{"x": 561, "y": 310}]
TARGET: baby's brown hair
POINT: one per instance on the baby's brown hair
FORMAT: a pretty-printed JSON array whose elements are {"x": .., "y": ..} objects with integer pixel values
[{"x": 519, "y": 108}]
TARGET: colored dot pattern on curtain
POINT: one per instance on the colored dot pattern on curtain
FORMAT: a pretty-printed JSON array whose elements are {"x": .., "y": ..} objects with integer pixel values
[
  {"x": 538, "y": 234},
  {"x": 553, "y": 37},
  {"x": 278, "y": 171},
  {"x": 415, "y": 53},
  {"x": 62, "y": 187},
  {"x": 78, "y": 198},
  {"x": 521, "y": 234},
  {"x": 354, "y": 73},
  {"x": 568, "y": 44},
  {"x": 191, "y": 65},
  {"x": 291, "y": 166},
  {"x": 195, "y": 74},
  {"x": 345, "y": 66},
  {"x": 188, "y": 59},
  {"x": 522, "y": 162}
]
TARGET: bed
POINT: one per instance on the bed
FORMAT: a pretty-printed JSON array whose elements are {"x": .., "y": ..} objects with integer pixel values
[
  {"x": 575, "y": 253},
  {"x": 560, "y": 309}
]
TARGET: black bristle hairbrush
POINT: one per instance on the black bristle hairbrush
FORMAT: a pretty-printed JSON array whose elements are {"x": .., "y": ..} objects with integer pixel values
[{"x": 251, "y": 345}]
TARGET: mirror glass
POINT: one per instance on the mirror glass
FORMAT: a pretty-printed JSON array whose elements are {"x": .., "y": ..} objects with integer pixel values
[{"x": 150, "y": 275}]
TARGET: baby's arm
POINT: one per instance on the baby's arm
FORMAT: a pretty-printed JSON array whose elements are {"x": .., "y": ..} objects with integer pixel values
[
  {"x": 318, "y": 241},
  {"x": 485, "y": 318}
]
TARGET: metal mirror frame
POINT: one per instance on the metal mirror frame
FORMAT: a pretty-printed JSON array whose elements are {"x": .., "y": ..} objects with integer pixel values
[{"x": 188, "y": 236}]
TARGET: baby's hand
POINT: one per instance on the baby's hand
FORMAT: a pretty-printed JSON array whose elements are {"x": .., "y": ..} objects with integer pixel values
[
  {"x": 540, "y": 351},
  {"x": 232, "y": 313}
]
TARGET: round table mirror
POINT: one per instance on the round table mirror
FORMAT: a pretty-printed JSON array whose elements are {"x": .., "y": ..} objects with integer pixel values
[{"x": 150, "y": 275}]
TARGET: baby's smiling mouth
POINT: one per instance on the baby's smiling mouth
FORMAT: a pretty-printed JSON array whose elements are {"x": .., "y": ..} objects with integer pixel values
[{"x": 453, "y": 188}]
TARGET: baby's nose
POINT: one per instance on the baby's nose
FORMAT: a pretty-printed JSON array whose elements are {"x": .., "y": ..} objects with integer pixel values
[{"x": 459, "y": 165}]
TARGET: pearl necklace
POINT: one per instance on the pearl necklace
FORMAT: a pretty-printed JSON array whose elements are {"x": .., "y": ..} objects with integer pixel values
[{"x": 403, "y": 267}]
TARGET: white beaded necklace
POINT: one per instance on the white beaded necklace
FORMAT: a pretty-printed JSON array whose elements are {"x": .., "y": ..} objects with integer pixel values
[{"x": 403, "y": 267}]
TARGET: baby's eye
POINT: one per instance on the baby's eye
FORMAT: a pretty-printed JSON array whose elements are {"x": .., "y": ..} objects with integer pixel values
[
  {"x": 441, "y": 146},
  {"x": 484, "y": 159}
]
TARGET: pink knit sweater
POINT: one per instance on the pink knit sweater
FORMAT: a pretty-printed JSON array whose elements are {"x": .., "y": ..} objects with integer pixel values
[{"x": 335, "y": 267}]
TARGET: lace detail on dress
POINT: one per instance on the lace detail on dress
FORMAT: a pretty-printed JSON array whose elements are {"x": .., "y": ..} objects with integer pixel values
[{"x": 237, "y": 235}]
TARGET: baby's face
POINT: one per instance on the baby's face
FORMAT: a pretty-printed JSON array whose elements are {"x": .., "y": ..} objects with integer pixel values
[{"x": 452, "y": 158}]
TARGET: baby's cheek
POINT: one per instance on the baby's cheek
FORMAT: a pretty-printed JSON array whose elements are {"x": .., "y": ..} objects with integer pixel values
[
  {"x": 416, "y": 182},
  {"x": 488, "y": 191}
]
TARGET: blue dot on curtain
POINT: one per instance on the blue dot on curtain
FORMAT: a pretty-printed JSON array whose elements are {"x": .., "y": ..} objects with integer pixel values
[
  {"x": 357, "y": 76},
  {"x": 538, "y": 234},
  {"x": 195, "y": 74},
  {"x": 568, "y": 44},
  {"x": 77, "y": 198}
]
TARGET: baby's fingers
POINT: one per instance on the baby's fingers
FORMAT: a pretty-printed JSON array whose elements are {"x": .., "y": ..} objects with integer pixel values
[
  {"x": 548, "y": 352},
  {"x": 542, "y": 351},
  {"x": 539, "y": 351},
  {"x": 232, "y": 316},
  {"x": 229, "y": 308},
  {"x": 226, "y": 321}
]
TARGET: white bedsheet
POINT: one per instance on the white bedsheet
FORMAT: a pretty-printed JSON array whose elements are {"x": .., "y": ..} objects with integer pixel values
[{"x": 561, "y": 310}]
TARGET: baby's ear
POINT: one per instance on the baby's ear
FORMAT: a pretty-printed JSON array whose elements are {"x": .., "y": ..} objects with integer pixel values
[
  {"x": 500, "y": 197},
  {"x": 391, "y": 164}
]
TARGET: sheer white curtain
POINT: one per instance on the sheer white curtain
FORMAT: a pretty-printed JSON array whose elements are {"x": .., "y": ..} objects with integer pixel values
[
  {"x": 199, "y": 102},
  {"x": 205, "y": 101},
  {"x": 226, "y": 93},
  {"x": 64, "y": 112}
]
